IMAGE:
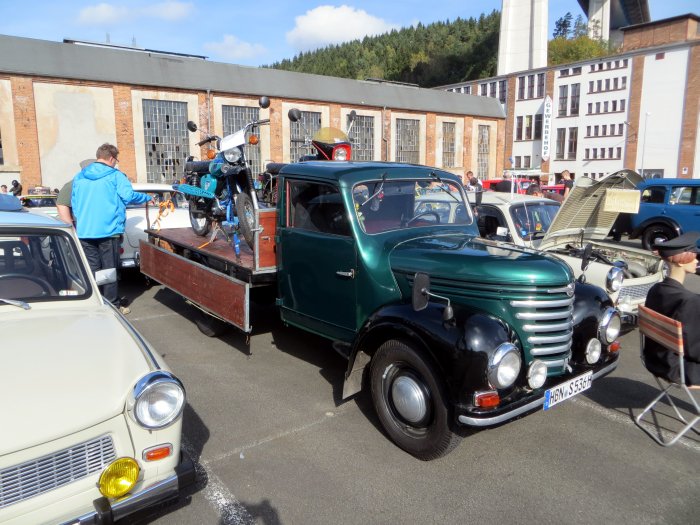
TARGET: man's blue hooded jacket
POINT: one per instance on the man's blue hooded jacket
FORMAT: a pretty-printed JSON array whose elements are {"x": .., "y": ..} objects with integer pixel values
[{"x": 99, "y": 199}]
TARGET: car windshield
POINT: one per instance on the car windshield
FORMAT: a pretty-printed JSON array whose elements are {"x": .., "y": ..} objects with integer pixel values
[
  {"x": 41, "y": 266},
  {"x": 533, "y": 219},
  {"x": 389, "y": 205},
  {"x": 160, "y": 196}
]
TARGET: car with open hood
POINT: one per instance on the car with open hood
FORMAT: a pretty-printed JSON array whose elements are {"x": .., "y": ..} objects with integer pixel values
[
  {"x": 92, "y": 416},
  {"x": 575, "y": 231}
]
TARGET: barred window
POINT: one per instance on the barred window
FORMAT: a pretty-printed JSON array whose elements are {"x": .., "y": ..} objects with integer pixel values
[
  {"x": 165, "y": 139},
  {"x": 483, "y": 148},
  {"x": 448, "y": 144},
  {"x": 407, "y": 140},
  {"x": 235, "y": 118},
  {"x": 309, "y": 121},
  {"x": 362, "y": 137}
]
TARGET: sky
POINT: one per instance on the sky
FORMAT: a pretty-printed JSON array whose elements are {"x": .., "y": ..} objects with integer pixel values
[{"x": 248, "y": 33}]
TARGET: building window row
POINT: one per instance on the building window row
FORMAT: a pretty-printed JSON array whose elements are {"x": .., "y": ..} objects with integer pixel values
[
  {"x": 569, "y": 107},
  {"x": 608, "y": 84},
  {"x": 605, "y": 130},
  {"x": 594, "y": 176},
  {"x": 566, "y": 149},
  {"x": 531, "y": 86},
  {"x": 528, "y": 127},
  {"x": 494, "y": 89},
  {"x": 607, "y": 106},
  {"x": 522, "y": 162},
  {"x": 610, "y": 64},
  {"x": 603, "y": 153},
  {"x": 570, "y": 72}
]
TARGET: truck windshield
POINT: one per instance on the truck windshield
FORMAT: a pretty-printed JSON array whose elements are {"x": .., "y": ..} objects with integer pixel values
[
  {"x": 389, "y": 205},
  {"x": 41, "y": 267}
]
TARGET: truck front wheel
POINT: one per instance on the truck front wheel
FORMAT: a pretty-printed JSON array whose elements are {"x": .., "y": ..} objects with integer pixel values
[{"x": 410, "y": 402}]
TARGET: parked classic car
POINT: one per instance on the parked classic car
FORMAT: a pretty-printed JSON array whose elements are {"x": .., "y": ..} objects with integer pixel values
[
  {"x": 92, "y": 417},
  {"x": 137, "y": 222},
  {"x": 668, "y": 208},
  {"x": 566, "y": 230},
  {"x": 45, "y": 203}
]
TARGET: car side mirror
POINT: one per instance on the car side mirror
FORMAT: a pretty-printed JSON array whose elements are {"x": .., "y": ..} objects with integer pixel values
[
  {"x": 421, "y": 291},
  {"x": 107, "y": 276}
]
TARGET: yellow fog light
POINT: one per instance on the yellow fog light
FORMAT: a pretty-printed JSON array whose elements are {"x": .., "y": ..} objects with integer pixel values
[{"x": 119, "y": 477}]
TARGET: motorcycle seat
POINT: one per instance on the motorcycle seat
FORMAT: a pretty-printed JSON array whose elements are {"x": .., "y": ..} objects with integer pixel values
[
  {"x": 273, "y": 168},
  {"x": 197, "y": 166}
]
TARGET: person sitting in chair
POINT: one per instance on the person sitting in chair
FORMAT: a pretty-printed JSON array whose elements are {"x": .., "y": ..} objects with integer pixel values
[{"x": 672, "y": 299}]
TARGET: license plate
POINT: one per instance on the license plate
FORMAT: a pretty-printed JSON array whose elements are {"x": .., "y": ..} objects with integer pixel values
[{"x": 564, "y": 391}]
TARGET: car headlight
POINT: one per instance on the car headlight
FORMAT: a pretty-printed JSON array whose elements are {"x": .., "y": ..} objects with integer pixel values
[
  {"x": 232, "y": 155},
  {"x": 609, "y": 325},
  {"x": 119, "y": 477},
  {"x": 157, "y": 400},
  {"x": 504, "y": 366},
  {"x": 613, "y": 281}
]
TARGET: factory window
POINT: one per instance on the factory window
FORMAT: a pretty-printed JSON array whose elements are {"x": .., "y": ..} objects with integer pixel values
[
  {"x": 407, "y": 140},
  {"x": 235, "y": 118},
  {"x": 311, "y": 121},
  {"x": 166, "y": 139},
  {"x": 362, "y": 137}
]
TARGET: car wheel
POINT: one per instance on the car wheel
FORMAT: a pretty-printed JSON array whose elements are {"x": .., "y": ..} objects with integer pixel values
[
  {"x": 210, "y": 326},
  {"x": 201, "y": 224},
  {"x": 410, "y": 402},
  {"x": 246, "y": 217},
  {"x": 656, "y": 233}
]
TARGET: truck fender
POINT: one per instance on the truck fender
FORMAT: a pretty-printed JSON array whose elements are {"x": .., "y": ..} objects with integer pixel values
[
  {"x": 658, "y": 219},
  {"x": 590, "y": 303},
  {"x": 454, "y": 347}
]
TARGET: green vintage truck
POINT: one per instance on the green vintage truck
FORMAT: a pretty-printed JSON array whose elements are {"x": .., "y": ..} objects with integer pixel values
[{"x": 447, "y": 330}]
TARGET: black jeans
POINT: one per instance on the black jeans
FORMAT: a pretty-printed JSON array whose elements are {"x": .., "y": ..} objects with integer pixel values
[{"x": 103, "y": 254}]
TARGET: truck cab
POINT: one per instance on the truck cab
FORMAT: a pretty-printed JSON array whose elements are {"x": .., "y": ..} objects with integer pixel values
[{"x": 448, "y": 329}]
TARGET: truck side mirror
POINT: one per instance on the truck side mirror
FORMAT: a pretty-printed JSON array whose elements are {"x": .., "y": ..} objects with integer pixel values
[
  {"x": 421, "y": 289},
  {"x": 264, "y": 102},
  {"x": 191, "y": 126}
]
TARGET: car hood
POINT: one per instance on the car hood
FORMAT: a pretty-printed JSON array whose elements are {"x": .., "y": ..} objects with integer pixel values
[
  {"x": 462, "y": 257},
  {"x": 64, "y": 372},
  {"x": 585, "y": 211}
]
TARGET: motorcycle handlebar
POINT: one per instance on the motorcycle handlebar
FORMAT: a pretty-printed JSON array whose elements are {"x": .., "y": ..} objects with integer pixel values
[{"x": 207, "y": 140}]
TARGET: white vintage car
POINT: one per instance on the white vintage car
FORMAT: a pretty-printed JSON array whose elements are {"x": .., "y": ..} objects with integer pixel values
[
  {"x": 91, "y": 417},
  {"x": 137, "y": 220},
  {"x": 625, "y": 273}
]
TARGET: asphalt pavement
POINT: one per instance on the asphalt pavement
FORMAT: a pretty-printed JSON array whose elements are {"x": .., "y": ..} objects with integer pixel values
[{"x": 274, "y": 444}]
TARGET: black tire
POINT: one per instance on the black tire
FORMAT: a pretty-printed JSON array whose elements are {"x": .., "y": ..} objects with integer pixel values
[
  {"x": 201, "y": 224},
  {"x": 426, "y": 434},
  {"x": 246, "y": 218},
  {"x": 656, "y": 233},
  {"x": 210, "y": 326}
]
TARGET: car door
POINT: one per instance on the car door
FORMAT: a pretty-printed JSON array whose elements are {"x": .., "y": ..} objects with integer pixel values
[
  {"x": 317, "y": 261},
  {"x": 684, "y": 207},
  {"x": 652, "y": 204}
]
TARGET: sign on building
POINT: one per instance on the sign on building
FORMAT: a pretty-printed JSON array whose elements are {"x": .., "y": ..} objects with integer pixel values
[{"x": 546, "y": 128}]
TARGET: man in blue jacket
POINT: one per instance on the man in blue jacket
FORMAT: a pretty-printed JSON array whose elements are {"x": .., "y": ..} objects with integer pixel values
[{"x": 99, "y": 198}]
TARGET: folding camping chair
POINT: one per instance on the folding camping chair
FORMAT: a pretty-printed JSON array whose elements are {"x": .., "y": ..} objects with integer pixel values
[{"x": 669, "y": 334}]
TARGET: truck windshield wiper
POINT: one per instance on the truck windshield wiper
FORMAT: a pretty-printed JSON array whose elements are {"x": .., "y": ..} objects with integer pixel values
[
  {"x": 437, "y": 178},
  {"x": 379, "y": 190},
  {"x": 14, "y": 302}
]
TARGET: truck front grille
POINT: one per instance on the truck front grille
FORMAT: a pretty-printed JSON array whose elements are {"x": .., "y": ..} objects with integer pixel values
[
  {"x": 24, "y": 481},
  {"x": 547, "y": 321}
]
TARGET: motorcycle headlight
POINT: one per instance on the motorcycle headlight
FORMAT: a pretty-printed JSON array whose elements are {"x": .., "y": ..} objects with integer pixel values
[
  {"x": 613, "y": 281},
  {"x": 232, "y": 155},
  {"x": 609, "y": 325},
  {"x": 341, "y": 152},
  {"x": 504, "y": 366},
  {"x": 157, "y": 400}
]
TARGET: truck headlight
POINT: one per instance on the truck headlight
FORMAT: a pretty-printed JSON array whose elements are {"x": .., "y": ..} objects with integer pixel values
[
  {"x": 536, "y": 374},
  {"x": 609, "y": 325},
  {"x": 613, "y": 281},
  {"x": 593, "y": 350},
  {"x": 504, "y": 366},
  {"x": 157, "y": 400}
]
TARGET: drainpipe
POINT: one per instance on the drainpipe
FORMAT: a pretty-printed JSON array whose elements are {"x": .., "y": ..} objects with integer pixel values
[{"x": 384, "y": 139}]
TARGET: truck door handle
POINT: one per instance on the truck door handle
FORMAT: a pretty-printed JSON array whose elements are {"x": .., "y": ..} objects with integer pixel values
[{"x": 349, "y": 275}]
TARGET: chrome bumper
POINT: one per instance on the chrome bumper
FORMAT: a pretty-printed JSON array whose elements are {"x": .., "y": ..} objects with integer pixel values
[{"x": 107, "y": 512}]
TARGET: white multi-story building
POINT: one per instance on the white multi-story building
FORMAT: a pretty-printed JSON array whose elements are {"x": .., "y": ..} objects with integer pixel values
[{"x": 637, "y": 109}]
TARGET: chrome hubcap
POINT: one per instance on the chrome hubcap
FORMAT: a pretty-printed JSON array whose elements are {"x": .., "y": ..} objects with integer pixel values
[{"x": 408, "y": 399}]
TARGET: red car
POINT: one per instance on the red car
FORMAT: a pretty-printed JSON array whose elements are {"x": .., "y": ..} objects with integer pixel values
[{"x": 521, "y": 185}]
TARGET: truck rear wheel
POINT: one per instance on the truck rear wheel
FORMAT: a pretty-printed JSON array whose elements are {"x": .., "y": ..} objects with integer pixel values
[
  {"x": 210, "y": 326},
  {"x": 410, "y": 402}
]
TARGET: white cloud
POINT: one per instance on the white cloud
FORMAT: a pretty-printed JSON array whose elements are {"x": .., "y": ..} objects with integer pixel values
[
  {"x": 231, "y": 48},
  {"x": 101, "y": 14},
  {"x": 327, "y": 24}
]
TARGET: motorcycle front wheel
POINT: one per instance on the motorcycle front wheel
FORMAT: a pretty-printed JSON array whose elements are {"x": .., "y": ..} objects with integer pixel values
[
  {"x": 201, "y": 223},
  {"x": 246, "y": 218}
]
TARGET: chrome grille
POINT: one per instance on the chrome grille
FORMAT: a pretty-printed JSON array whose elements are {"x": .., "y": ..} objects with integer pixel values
[
  {"x": 635, "y": 293},
  {"x": 21, "y": 482},
  {"x": 548, "y": 321}
]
